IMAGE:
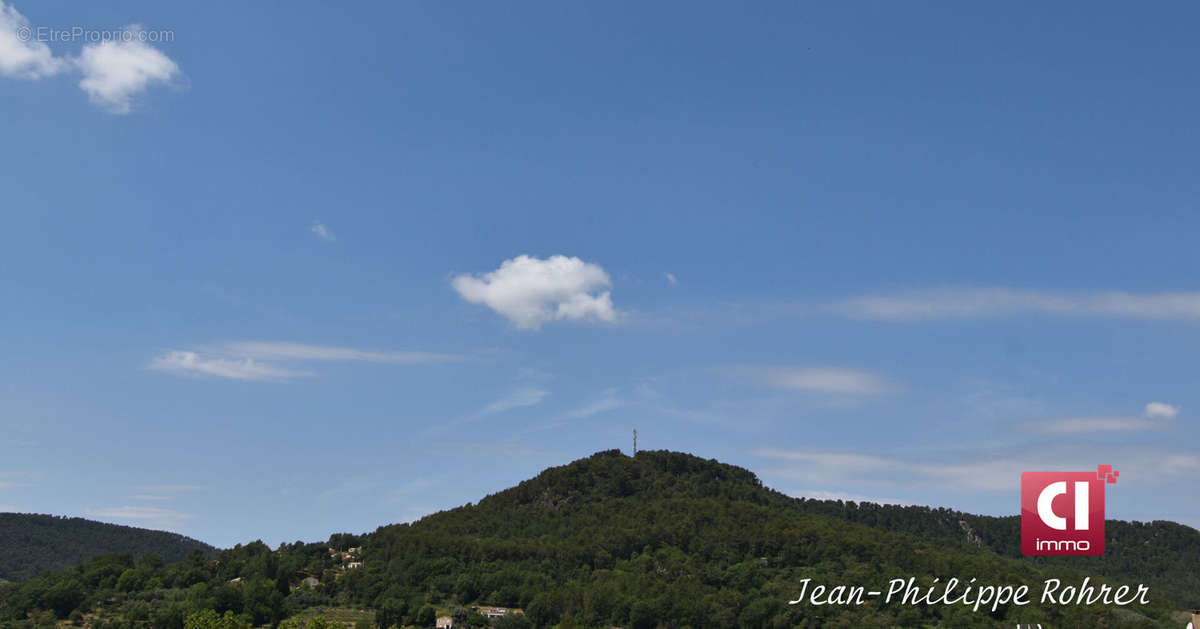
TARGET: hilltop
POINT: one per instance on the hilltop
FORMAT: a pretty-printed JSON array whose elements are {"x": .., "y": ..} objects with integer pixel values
[{"x": 663, "y": 539}]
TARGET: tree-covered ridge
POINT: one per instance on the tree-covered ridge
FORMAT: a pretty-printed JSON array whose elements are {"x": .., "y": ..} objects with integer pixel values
[
  {"x": 660, "y": 540},
  {"x": 31, "y": 544}
]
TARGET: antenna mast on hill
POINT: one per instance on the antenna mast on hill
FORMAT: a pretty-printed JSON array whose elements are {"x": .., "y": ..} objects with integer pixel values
[{"x": 635, "y": 442}]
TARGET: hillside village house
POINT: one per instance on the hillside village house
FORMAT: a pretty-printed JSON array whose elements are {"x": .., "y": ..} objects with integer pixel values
[
  {"x": 348, "y": 559},
  {"x": 497, "y": 612},
  {"x": 444, "y": 622}
]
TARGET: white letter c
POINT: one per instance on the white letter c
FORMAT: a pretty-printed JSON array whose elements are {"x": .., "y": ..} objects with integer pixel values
[{"x": 1045, "y": 512}]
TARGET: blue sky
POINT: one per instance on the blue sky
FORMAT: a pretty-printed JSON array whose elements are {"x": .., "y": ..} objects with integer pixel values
[{"x": 292, "y": 271}]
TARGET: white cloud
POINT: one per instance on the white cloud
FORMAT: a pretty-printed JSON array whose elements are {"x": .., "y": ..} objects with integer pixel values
[
  {"x": 260, "y": 360},
  {"x": 274, "y": 350},
  {"x": 526, "y": 396},
  {"x": 20, "y": 56},
  {"x": 181, "y": 362},
  {"x": 822, "y": 380},
  {"x": 530, "y": 291},
  {"x": 1159, "y": 410},
  {"x": 671, "y": 278},
  {"x": 996, "y": 302},
  {"x": 322, "y": 232},
  {"x": 114, "y": 72}
]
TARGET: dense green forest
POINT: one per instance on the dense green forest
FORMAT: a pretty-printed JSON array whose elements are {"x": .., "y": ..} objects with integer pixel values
[
  {"x": 31, "y": 544},
  {"x": 661, "y": 540}
]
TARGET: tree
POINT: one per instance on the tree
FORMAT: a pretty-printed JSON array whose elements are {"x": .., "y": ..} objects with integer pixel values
[
  {"x": 391, "y": 612},
  {"x": 513, "y": 621},
  {"x": 426, "y": 616}
]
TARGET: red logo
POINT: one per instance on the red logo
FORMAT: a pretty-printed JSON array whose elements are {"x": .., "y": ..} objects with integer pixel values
[{"x": 1062, "y": 513}]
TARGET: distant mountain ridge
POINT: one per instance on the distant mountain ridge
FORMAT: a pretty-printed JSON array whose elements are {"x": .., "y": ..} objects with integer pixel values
[{"x": 32, "y": 543}]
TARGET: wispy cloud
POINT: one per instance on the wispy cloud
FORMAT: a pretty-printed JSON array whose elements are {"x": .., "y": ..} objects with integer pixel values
[
  {"x": 962, "y": 303},
  {"x": 9, "y": 480},
  {"x": 185, "y": 363},
  {"x": 530, "y": 292},
  {"x": 322, "y": 232},
  {"x": 272, "y": 350},
  {"x": 261, "y": 360},
  {"x": 152, "y": 516},
  {"x": 172, "y": 488},
  {"x": 820, "y": 379},
  {"x": 524, "y": 396},
  {"x": 607, "y": 402},
  {"x": 670, "y": 277},
  {"x": 980, "y": 470},
  {"x": 113, "y": 72},
  {"x": 512, "y": 449},
  {"x": 1156, "y": 415}
]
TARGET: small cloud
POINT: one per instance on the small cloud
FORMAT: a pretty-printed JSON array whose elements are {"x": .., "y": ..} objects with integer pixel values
[
  {"x": 527, "y": 396},
  {"x": 1158, "y": 410},
  {"x": 838, "y": 380},
  {"x": 322, "y": 232},
  {"x": 671, "y": 278},
  {"x": 187, "y": 363},
  {"x": 114, "y": 72},
  {"x": 530, "y": 291}
]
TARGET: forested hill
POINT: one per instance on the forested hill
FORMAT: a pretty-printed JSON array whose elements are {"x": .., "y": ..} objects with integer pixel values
[
  {"x": 662, "y": 539},
  {"x": 30, "y": 544},
  {"x": 1161, "y": 554}
]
